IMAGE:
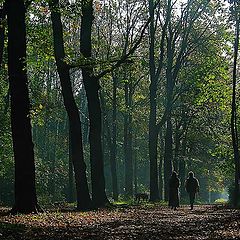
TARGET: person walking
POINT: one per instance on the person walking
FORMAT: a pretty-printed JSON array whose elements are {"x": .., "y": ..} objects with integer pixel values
[
  {"x": 174, "y": 184},
  {"x": 192, "y": 187}
]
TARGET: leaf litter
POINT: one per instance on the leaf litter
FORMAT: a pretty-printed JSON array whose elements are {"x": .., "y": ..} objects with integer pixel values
[{"x": 133, "y": 222}]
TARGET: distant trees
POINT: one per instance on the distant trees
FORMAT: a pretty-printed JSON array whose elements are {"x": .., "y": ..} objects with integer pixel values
[{"x": 145, "y": 86}]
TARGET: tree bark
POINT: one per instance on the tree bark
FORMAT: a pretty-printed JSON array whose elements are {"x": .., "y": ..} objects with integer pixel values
[
  {"x": 70, "y": 172},
  {"x": 153, "y": 134},
  {"x": 161, "y": 163},
  {"x": 111, "y": 138},
  {"x": 128, "y": 139},
  {"x": 234, "y": 131},
  {"x": 75, "y": 130},
  {"x": 168, "y": 153},
  {"x": 25, "y": 191},
  {"x": 91, "y": 84},
  {"x": 168, "y": 156},
  {"x": 113, "y": 149}
]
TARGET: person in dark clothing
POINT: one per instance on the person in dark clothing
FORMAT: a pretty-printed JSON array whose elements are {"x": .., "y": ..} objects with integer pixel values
[
  {"x": 174, "y": 184},
  {"x": 192, "y": 187}
]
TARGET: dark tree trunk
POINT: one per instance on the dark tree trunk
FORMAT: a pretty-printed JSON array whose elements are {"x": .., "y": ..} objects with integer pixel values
[
  {"x": 25, "y": 191},
  {"x": 182, "y": 167},
  {"x": 135, "y": 171},
  {"x": 176, "y": 151},
  {"x": 153, "y": 134},
  {"x": 111, "y": 138},
  {"x": 113, "y": 150},
  {"x": 52, "y": 160},
  {"x": 161, "y": 164},
  {"x": 168, "y": 156},
  {"x": 168, "y": 153},
  {"x": 92, "y": 87},
  {"x": 128, "y": 141},
  {"x": 71, "y": 197},
  {"x": 75, "y": 131},
  {"x": 234, "y": 111}
]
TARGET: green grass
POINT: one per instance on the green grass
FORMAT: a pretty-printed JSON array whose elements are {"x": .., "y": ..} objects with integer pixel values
[{"x": 221, "y": 201}]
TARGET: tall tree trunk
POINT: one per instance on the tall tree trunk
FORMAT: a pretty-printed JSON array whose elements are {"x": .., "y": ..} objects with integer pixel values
[
  {"x": 153, "y": 134},
  {"x": 128, "y": 140},
  {"x": 182, "y": 167},
  {"x": 176, "y": 150},
  {"x": 161, "y": 163},
  {"x": 168, "y": 156},
  {"x": 83, "y": 198},
  {"x": 52, "y": 160},
  {"x": 112, "y": 138},
  {"x": 92, "y": 87},
  {"x": 113, "y": 149},
  {"x": 135, "y": 169},
  {"x": 168, "y": 153},
  {"x": 25, "y": 191},
  {"x": 234, "y": 111}
]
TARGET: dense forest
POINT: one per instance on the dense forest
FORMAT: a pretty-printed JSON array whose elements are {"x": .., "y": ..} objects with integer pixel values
[{"x": 103, "y": 99}]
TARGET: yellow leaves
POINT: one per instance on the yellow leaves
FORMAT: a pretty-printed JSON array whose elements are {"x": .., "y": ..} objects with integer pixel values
[
  {"x": 44, "y": 10},
  {"x": 40, "y": 106},
  {"x": 98, "y": 6},
  {"x": 35, "y": 112}
]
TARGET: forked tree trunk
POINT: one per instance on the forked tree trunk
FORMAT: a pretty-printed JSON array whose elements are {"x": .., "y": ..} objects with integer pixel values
[
  {"x": 75, "y": 130},
  {"x": 91, "y": 84}
]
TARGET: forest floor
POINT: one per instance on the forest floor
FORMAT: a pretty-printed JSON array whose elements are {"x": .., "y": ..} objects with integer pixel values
[{"x": 130, "y": 222}]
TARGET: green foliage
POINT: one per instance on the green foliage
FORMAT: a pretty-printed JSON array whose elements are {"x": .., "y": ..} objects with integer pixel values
[{"x": 202, "y": 93}]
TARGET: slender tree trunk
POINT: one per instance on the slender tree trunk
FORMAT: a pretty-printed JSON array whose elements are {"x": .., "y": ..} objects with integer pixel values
[
  {"x": 161, "y": 164},
  {"x": 25, "y": 191},
  {"x": 75, "y": 131},
  {"x": 84, "y": 115},
  {"x": 176, "y": 151},
  {"x": 168, "y": 156},
  {"x": 182, "y": 167},
  {"x": 113, "y": 149},
  {"x": 234, "y": 112},
  {"x": 92, "y": 87},
  {"x": 52, "y": 160},
  {"x": 168, "y": 153},
  {"x": 112, "y": 139},
  {"x": 128, "y": 141},
  {"x": 153, "y": 134},
  {"x": 135, "y": 170}
]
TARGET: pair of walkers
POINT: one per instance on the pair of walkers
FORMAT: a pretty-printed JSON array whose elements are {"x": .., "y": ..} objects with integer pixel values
[{"x": 191, "y": 185}]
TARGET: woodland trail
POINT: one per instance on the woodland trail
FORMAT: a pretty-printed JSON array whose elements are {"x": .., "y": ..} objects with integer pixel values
[{"x": 134, "y": 222}]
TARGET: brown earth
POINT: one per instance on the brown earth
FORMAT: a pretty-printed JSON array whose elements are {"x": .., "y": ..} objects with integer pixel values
[{"x": 132, "y": 222}]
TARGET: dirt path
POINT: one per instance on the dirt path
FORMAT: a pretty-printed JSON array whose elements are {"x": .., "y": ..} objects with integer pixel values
[{"x": 139, "y": 222}]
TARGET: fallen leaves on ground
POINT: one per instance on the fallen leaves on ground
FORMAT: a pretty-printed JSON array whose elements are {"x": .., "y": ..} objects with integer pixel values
[{"x": 133, "y": 222}]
